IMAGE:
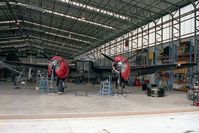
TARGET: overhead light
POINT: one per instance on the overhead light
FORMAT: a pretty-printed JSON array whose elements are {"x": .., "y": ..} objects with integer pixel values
[
  {"x": 106, "y": 12},
  {"x": 44, "y": 11},
  {"x": 83, "y": 18},
  {"x": 60, "y": 14}
]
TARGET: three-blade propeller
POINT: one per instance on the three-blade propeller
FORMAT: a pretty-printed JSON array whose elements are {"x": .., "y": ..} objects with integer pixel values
[
  {"x": 118, "y": 64},
  {"x": 47, "y": 57}
]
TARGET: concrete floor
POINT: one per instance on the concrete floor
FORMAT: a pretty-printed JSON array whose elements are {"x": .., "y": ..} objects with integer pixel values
[
  {"x": 33, "y": 110},
  {"x": 28, "y": 101},
  {"x": 167, "y": 123}
]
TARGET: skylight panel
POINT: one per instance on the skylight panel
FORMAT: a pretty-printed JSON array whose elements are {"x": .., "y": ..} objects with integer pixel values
[
  {"x": 96, "y": 9},
  {"x": 61, "y": 14}
]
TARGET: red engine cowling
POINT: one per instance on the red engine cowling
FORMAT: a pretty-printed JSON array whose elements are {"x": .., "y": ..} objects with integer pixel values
[
  {"x": 125, "y": 67},
  {"x": 61, "y": 69}
]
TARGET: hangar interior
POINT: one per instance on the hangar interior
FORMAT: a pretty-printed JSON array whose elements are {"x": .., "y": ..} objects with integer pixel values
[{"x": 155, "y": 31}]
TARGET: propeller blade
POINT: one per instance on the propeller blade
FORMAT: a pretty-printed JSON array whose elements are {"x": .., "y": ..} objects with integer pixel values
[
  {"x": 108, "y": 57},
  {"x": 129, "y": 58},
  {"x": 45, "y": 55}
]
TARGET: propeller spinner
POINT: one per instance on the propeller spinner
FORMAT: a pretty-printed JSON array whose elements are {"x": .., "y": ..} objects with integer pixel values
[{"x": 120, "y": 65}]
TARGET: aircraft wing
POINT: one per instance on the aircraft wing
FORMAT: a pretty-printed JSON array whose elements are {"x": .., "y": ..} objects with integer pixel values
[
  {"x": 142, "y": 70},
  {"x": 4, "y": 65},
  {"x": 38, "y": 66},
  {"x": 103, "y": 69},
  {"x": 43, "y": 66}
]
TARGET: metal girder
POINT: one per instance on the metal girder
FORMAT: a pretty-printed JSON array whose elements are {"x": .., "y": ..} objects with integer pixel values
[
  {"x": 14, "y": 49},
  {"x": 46, "y": 11},
  {"x": 51, "y": 17},
  {"x": 4, "y": 13},
  {"x": 73, "y": 34},
  {"x": 143, "y": 12},
  {"x": 75, "y": 22},
  {"x": 44, "y": 46},
  {"x": 135, "y": 26},
  {"x": 13, "y": 45},
  {"x": 48, "y": 50},
  {"x": 8, "y": 37},
  {"x": 158, "y": 31},
  {"x": 123, "y": 6},
  {"x": 51, "y": 45},
  {"x": 66, "y": 47},
  {"x": 10, "y": 42},
  {"x": 168, "y": 2},
  {"x": 196, "y": 33},
  {"x": 36, "y": 32},
  {"x": 96, "y": 17},
  {"x": 11, "y": 11},
  {"x": 60, "y": 31},
  {"x": 12, "y": 39},
  {"x": 87, "y": 23},
  {"x": 82, "y": 9}
]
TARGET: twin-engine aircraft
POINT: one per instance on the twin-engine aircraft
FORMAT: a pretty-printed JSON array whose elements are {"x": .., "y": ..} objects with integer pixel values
[
  {"x": 123, "y": 69},
  {"x": 57, "y": 66},
  {"x": 60, "y": 67}
]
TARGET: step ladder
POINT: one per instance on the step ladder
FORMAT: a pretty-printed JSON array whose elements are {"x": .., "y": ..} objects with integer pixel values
[
  {"x": 43, "y": 84},
  {"x": 106, "y": 88}
]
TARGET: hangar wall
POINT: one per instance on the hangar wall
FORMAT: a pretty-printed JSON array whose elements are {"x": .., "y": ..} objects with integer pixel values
[{"x": 170, "y": 30}]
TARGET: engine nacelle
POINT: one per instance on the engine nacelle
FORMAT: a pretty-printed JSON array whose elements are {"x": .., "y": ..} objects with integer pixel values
[
  {"x": 123, "y": 66},
  {"x": 61, "y": 67}
]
